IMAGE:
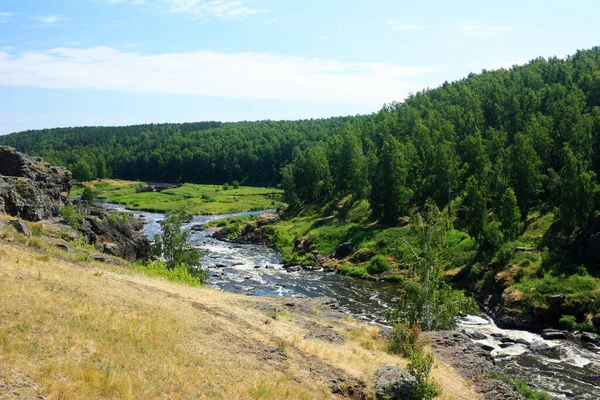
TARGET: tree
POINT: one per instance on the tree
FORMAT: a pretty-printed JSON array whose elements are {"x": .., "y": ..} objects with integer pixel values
[
  {"x": 429, "y": 302},
  {"x": 577, "y": 189},
  {"x": 175, "y": 248},
  {"x": 526, "y": 176},
  {"x": 89, "y": 195},
  {"x": 509, "y": 216},
  {"x": 474, "y": 208}
]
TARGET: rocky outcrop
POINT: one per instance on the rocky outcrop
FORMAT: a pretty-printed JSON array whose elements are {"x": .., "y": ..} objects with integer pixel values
[
  {"x": 343, "y": 250},
  {"x": 254, "y": 232},
  {"x": 31, "y": 188},
  {"x": 118, "y": 234}
]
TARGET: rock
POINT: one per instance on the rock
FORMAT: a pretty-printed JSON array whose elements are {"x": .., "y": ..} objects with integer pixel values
[
  {"x": 494, "y": 389},
  {"x": 538, "y": 346},
  {"x": 101, "y": 258},
  {"x": 596, "y": 321},
  {"x": 589, "y": 337},
  {"x": 394, "y": 383},
  {"x": 220, "y": 266},
  {"x": 328, "y": 270},
  {"x": 59, "y": 243},
  {"x": 31, "y": 188},
  {"x": 343, "y": 250},
  {"x": 556, "y": 300},
  {"x": 475, "y": 335},
  {"x": 312, "y": 267},
  {"x": 363, "y": 255},
  {"x": 269, "y": 267},
  {"x": 486, "y": 346},
  {"x": 553, "y": 334},
  {"x": 507, "y": 340},
  {"x": 293, "y": 268},
  {"x": 523, "y": 342},
  {"x": 458, "y": 350},
  {"x": 506, "y": 344},
  {"x": 197, "y": 228},
  {"x": 257, "y": 266},
  {"x": 21, "y": 227}
]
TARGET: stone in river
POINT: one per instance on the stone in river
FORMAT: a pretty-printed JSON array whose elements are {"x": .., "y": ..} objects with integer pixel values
[
  {"x": 538, "y": 346},
  {"x": 553, "y": 334}
]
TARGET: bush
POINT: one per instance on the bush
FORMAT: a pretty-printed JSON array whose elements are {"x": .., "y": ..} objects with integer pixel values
[
  {"x": 378, "y": 264},
  {"x": 89, "y": 195},
  {"x": 419, "y": 366},
  {"x": 405, "y": 341},
  {"x": 235, "y": 184},
  {"x": 71, "y": 217},
  {"x": 226, "y": 186}
]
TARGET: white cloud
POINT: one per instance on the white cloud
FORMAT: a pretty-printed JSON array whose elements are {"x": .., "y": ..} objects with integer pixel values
[
  {"x": 207, "y": 73},
  {"x": 215, "y": 8},
  {"x": 50, "y": 19},
  {"x": 235, "y": 9},
  {"x": 5, "y": 17},
  {"x": 406, "y": 27},
  {"x": 477, "y": 29}
]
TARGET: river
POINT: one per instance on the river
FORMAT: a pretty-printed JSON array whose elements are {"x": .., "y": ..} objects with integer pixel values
[{"x": 568, "y": 370}]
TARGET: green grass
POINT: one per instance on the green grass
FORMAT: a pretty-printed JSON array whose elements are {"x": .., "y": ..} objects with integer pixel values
[
  {"x": 191, "y": 198},
  {"x": 179, "y": 274}
]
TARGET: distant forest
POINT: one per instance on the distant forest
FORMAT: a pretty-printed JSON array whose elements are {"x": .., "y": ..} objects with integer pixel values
[
  {"x": 527, "y": 136},
  {"x": 204, "y": 152}
]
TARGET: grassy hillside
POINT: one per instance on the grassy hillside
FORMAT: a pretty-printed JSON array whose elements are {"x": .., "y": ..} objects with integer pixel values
[
  {"x": 191, "y": 198},
  {"x": 83, "y": 330}
]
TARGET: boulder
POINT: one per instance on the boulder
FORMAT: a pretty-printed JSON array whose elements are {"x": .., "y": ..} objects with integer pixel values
[
  {"x": 553, "y": 334},
  {"x": 556, "y": 300},
  {"x": 596, "y": 321},
  {"x": 589, "y": 337},
  {"x": 538, "y": 346},
  {"x": 394, "y": 383},
  {"x": 475, "y": 335},
  {"x": 343, "y": 250},
  {"x": 197, "y": 228},
  {"x": 293, "y": 268},
  {"x": 21, "y": 227}
]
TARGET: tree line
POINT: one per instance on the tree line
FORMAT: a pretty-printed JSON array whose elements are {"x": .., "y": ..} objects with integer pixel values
[{"x": 206, "y": 152}]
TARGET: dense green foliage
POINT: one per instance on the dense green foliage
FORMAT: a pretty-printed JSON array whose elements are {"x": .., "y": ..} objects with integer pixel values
[
  {"x": 175, "y": 248},
  {"x": 180, "y": 273},
  {"x": 495, "y": 145},
  {"x": 206, "y": 152}
]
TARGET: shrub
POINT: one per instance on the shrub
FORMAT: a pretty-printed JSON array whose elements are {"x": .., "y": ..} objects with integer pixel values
[
  {"x": 89, "y": 195},
  {"x": 404, "y": 340},
  {"x": 226, "y": 186},
  {"x": 71, "y": 217},
  {"x": 36, "y": 230},
  {"x": 419, "y": 366},
  {"x": 378, "y": 264},
  {"x": 235, "y": 184}
]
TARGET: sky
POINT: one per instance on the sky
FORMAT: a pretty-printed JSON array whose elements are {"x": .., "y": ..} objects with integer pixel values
[{"x": 121, "y": 62}]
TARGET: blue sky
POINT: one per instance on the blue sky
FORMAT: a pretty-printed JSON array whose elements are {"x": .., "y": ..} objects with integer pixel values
[{"x": 109, "y": 62}]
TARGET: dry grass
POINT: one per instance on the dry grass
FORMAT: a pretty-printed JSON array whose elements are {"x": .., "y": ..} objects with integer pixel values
[{"x": 84, "y": 331}]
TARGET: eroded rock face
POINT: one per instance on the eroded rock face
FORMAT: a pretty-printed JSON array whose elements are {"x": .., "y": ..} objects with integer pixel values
[
  {"x": 31, "y": 188},
  {"x": 117, "y": 234}
]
